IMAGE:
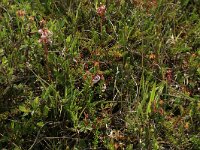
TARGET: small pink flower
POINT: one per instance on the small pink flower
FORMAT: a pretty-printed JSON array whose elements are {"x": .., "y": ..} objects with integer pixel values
[
  {"x": 101, "y": 10},
  {"x": 20, "y": 13},
  {"x": 40, "y": 31},
  {"x": 45, "y": 36}
]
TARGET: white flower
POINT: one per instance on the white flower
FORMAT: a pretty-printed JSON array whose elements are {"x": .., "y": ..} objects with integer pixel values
[{"x": 96, "y": 79}]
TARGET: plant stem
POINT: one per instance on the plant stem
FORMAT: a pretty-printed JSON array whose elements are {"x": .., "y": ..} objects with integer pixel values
[
  {"x": 46, "y": 60},
  {"x": 101, "y": 24}
]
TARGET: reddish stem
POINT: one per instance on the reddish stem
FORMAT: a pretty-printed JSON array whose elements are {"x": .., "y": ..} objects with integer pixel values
[{"x": 46, "y": 59}]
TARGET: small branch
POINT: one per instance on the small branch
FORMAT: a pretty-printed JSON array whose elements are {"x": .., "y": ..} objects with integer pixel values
[
  {"x": 62, "y": 137},
  {"x": 35, "y": 140}
]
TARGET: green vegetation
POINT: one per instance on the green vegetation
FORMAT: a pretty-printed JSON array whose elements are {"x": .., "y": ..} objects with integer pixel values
[{"x": 76, "y": 76}]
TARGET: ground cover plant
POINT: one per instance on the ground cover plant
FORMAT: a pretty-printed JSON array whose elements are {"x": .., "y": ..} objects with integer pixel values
[{"x": 91, "y": 74}]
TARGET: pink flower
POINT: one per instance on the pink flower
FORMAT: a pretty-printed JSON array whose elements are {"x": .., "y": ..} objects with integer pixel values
[
  {"x": 101, "y": 10},
  {"x": 45, "y": 36},
  {"x": 20, "y": 13}
]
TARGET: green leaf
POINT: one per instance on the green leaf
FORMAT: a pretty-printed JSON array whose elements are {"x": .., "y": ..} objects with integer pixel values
[
  {"x": 184, "y": 2},
  {"x": 4, "y": 60},
  {"x": 1, "y": 52},
  {"x": 46, "y": 110},
  {"x": 139, "y": 110},
  {"x": 35, "y": 103},
  {"x": 68, "y": 40},
  {"x": 17, "y": 148},
  {"x": 152, "y": 97},
  {"x": 24, "y": 109},
  {"x": 12, "y": 124},
  {"x": 198, "y": 70},
  {"x": 40, "y": 124}
]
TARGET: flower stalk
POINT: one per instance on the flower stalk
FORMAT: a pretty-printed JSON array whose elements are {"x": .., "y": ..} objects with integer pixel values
[
  {"x": 101, "y": 12},
  {"x": 46, "y": 40}
]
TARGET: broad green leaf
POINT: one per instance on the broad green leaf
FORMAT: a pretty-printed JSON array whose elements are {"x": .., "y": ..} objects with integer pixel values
[
  {"x": 35, "y": 103},
  {"x": 68, "y": 40},
  {"x": 24, "y": 109},
  {"x": 40, "y": 124}
]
